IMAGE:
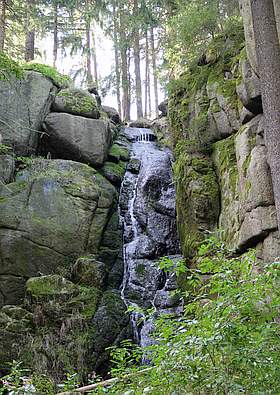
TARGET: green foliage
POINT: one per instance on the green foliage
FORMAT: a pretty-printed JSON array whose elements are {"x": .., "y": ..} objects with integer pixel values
[
  {"x": 62, "y": 81},
  {"x": 170, "y": 266},
  {"x": 227, "y": 341},
  {"x": 9, "y": 67},
  {"x": 125, "y": 358},
  {"x": 19, "y": 381}
]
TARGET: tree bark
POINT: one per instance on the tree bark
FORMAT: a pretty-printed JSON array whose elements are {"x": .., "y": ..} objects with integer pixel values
[
  {"x": 95, "y": 64},
  {"x": 89, "y": 78},
  {"x": 3, "y": 5},
  {"x": 55, "y": 32},
  {"x": 117, "y": 62},
  {"x": 268, "y": 57},
  {"x": 154, "y": 64},
  {"x": 137, "y": 70},
  {"x": 29, "y": 52}
]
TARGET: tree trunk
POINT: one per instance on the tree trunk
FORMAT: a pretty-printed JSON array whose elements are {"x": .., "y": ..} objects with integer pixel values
[
  {"x": 29, "y": 52},
  {"x": 117, "y": 62},
  {"x": 55, "y": 32},
  {"x": 125, "y": 83},
  {"x": 268, "y": 56},
  {"x": 154, "y": 64},
  {"x": 3, "y": 5},
  {"x": 89, "y": 78},
  {"x": 95, "y": 65},
  {"x": 136, "y": 53},
  {"x": 146, "y": 75}
]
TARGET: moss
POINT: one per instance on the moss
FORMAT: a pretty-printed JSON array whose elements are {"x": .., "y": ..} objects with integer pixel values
[
  {"x": 9, "y": 67},
  {"x": 5, "y": 149},
  {"x": 86, "y": 302},
  {"x": 50, "y": 72},
  {"x": 114, "y": 172},
  {"x": 50, "y": 286},
  {"x": 118, "y": 153},
  {"x": 224, "y": 150},
  {"x": 140, "y": 269},
  {"x": 78, "y": 101}
]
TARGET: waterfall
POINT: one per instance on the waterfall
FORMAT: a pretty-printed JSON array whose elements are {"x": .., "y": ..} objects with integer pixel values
[{"x": 147, "y": 211}]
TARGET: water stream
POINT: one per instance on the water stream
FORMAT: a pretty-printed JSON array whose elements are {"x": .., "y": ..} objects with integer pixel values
[{"x": 147, "y": 210}]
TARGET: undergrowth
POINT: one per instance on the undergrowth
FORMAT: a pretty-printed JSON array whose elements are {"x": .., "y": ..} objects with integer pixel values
[{"x": 227, "y": 340}]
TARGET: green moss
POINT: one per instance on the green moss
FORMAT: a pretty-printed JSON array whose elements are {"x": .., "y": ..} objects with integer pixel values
[
  {"x": 78, "y": 101},
  {"x": 50, "y": 72},
  {"x": 118, "y": 153},
  {"x": 140, "y": 269},
  {"x": 5, "y": 149},
  {"x": 86, "y": 302},
  {"x": 224, "y": 151},
  {"x": 9, "y": 67},
  {"x": 50, "y": 286}
]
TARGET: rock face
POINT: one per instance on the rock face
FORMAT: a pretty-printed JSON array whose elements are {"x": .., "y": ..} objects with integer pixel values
[
  {"x": 23, "y": 106},
  {"x": 78, "y": 138},
  {"x": 221, "y": 170},
  {"x": 60, "y": 237},
  {"x": 43, "y": 211}
]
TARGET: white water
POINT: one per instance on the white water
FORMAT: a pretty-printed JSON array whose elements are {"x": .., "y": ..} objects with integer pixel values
[{"x": 149, "y": 228}]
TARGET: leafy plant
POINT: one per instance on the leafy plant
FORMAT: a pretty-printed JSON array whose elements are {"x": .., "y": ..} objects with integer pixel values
[
  {"x": 227, "y": 340},
  {"x": 5, "y": 149}
]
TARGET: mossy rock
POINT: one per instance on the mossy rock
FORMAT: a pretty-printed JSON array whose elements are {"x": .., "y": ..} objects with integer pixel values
[
  {"x": 9, "y": 67},
  {"x": 89, "y": 272},
  {"x": 118, "y": 153},
  {"x": 60, "y": 80},
  {"x": 114, "y": 172},
  {"x": 51, "y": 287},
  {"x": 76, "y": 102},
  {"x": 197, "y": 198}
]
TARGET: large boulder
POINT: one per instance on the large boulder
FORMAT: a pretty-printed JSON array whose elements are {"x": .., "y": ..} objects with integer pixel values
[
  {"x": 112, "y": 114},
  {"x": 76, "y": 102},
  {"x": 78, "y": 138},
  {"x": 23, "y": 106},
  {"x": 249, "y": 88},
  {"x": 54, "y": 212}
]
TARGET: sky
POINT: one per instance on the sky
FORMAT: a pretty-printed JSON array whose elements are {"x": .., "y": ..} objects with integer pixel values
[{"x": 105, "y": 58}]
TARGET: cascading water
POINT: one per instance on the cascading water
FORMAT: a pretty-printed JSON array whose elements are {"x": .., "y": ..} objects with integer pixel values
[{"x": 147, "y": 210}]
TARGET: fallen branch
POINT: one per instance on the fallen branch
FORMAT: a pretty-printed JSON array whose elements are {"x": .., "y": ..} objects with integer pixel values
[{"x": 104, "y": 383}]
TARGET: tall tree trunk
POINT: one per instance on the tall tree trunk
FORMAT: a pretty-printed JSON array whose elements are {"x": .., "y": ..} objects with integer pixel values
[
  {"x": 55, "y": 32},
  {"x": 3, "y": 5},
  {"x": 136, "y": 53},
  {"x": 95, "y": 65},
  {"x": 146, "y": 75},
  {"x": 117, "y": 62},
  {"x": 129, "y": 56},
  {"x": 154, "y": 64},
  {"x": 89, "y": 78},
  {"x": 148, "y": 103},
  {"x": 125, "y": 83},
  {"x": 268, "y": 57},
  {"x": 29, "y": 52}
]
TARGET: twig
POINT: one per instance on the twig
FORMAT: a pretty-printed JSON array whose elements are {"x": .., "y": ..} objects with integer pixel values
[{"x": 104, "y": 383}]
